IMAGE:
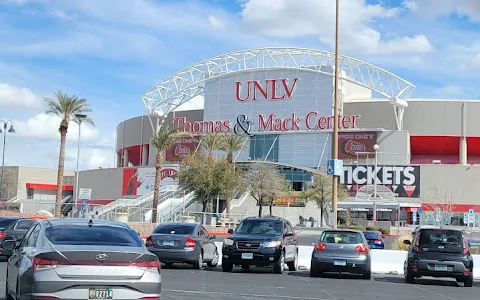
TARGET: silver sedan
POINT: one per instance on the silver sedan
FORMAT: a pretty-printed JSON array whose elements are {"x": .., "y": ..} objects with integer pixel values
[{"x": 81, "y": 259}]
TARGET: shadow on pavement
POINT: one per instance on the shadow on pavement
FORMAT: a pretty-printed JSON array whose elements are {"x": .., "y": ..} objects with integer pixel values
[
  {"x": 327, "y": 275},
  {"x": 424, "y": 281}
]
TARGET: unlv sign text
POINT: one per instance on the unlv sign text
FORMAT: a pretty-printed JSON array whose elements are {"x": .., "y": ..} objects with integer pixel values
[
  {"x": 270, "y": 90},
  {"x": 403, "y": 181}
]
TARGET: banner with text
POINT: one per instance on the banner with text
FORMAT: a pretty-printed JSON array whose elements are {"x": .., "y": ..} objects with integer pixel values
[
  {"x": 352, "y": 144},
  {"x": 403, "y": 181},
  {"x": 141, "y": 181},
  {"x": 182, "y": 148}
]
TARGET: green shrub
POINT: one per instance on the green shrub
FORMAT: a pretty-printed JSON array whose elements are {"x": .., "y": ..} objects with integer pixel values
[
  {"x": 372, "y": 228},
  {"x": 357, "y": 227},
  {"x": 398, "y": 243},
  {"x": 475, "y": 250},
  {"x": 384, "y": 230}
]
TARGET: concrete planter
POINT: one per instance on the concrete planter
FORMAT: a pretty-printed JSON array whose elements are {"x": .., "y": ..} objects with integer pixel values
[{"x": 121, "y": 217}]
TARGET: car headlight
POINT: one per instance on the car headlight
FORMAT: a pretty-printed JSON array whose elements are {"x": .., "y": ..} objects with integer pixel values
[
  {"x": 228, "y": 242},
  {"x": 273, "y": 244}
]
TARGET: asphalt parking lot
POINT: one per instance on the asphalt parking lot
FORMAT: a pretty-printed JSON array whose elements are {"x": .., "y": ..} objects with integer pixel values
[{"x": 183, "y": 283}]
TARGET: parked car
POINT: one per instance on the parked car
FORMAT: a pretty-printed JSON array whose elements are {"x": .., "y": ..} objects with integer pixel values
[
  {"x": 374, "y": 239},
  {"x": 183, "y": 243},
  {"x": 261, "y": 242},
  {"x": 342, "y": 251},
  {"x": 81, "y": 259},
  {"x": 473, "y": 242},
  {"x": 13, "y": 228},
  {"x": 439, "y": 253}
]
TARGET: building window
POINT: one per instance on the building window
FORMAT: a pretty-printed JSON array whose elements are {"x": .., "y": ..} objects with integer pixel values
[{"x": 264, "y": 147}]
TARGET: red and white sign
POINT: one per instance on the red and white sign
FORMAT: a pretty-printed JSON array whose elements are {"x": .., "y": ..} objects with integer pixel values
[
  {"x": 269, "y": 90},
  {"x": 182, "y": 148}
]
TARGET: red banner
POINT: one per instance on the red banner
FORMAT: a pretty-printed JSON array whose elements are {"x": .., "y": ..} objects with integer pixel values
[
  {"x": 182, "y": 148},
  {"x": 352, "y": 143}
]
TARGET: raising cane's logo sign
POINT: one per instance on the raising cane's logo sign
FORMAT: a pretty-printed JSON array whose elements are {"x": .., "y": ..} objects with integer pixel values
[
  {"x": 182, "y": 148},
  {"x": 353, "y": 144},
  {"x": 403, "y": 181}
]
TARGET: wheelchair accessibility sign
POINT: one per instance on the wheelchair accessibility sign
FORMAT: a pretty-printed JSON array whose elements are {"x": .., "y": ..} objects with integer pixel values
[{"x": 335, "y": 167}]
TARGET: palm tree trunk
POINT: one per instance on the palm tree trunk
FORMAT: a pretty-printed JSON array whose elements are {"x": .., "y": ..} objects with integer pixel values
[
  {"x": 156, "y": 191},
  {"x": 228, "y": 198},
  {"x": 61, "y": 167}
]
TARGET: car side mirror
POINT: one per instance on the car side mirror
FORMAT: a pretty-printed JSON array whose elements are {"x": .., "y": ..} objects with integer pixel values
[
  {"x": 213, "y": 237},
  {"x": 288, "y": 233},
  {"x": 230, "y": 231},
  {"x": 9, "y": 245},
  {"x": 407, "y": 242},
  {"x": 138, "y": 233},
  {"x": 469, "y": 245}
]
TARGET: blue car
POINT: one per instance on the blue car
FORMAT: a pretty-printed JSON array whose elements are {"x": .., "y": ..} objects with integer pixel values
[
  {"x": 474, "y": 242},
  {"x": 374, "y": 239}
]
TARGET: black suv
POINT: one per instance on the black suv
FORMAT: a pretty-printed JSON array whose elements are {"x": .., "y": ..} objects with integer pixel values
[
  {"x": 261, "y": 242},
  {"x": 439, "y": 252}
]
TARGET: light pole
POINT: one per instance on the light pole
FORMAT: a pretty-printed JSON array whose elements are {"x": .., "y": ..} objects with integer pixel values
[
  {"x": 4, "y": 131},
  {"x": 79, "y": 118},
  {"x": 335, "y": 117},
  {"x": 375, "y": 147}
]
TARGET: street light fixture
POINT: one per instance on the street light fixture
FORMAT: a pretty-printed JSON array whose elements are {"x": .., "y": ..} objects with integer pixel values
[
  {"x": 4, "y": 131},
  {"x": 79, "y": 118},
  {"x": 375, "y": 147}
]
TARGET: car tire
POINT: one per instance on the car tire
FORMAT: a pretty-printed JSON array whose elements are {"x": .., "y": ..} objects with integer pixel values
[
  {"x": 279, "y": 266},
  {"x": 367, "y": 275},
  {"x": 315, "y": 271},
  {"x": 409, "y": 276},
  {"x": 199, "y": 263},
  {"x": 293, "y": 265},
  {"x": 214, "y": 262},
  {"x": 227, "y": 266},
  {"x": 468, "y": 281}
]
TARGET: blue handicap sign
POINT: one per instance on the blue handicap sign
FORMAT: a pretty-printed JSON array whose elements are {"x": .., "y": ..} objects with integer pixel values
[
  {"x": 84, "y": 206},
  {"x": 335, "y": 167},
  {"x": 420, "y": 211}
]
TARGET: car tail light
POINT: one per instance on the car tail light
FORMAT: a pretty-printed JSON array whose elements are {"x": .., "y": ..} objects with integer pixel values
[
  {"x": 189, "y": 242},
  {"x": 320, "y": 246},
  {"x": 378, "y": 242},
  {"x": 466, "y": 272},
  {"x": 361, "y": 249},
  {"x": 43, "y": 264},
  {"x": 3, "y": 235},
  {"x": 149, "y": 242},
  {"x": 465, "y": 247},
  {"x": 151, "y": 298}
]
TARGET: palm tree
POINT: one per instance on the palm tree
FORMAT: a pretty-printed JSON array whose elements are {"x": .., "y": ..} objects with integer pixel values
[
  {"x": 231, "y": 143},
  {"x": 163, "y": 139},
  {"x": 66, "y": 107},
  {"x": 212, "y": 142}
]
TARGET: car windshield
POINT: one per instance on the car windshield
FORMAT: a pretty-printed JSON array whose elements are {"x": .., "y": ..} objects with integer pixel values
[
  {"x": 371, "y": 235},
  {"x": 175, "y": 229},
  {"x": 341, "y": 237},
  {"x": 264, "y": 227},
  {"x": 440, "y": 237},
  {"x": 95, "y": 235},
  {"x": 24, "y": 225}
]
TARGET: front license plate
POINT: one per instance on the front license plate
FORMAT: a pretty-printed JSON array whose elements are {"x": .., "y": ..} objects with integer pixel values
[
  {"x": 441, "y": 268},
  {"x": 100, "y": 293},
  {"x": 340, "y": 262},
  {"x": 168, "y": 243},
  {"x": 247, "y": 255}
]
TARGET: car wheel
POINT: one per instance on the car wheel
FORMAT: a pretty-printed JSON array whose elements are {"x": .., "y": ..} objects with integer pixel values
[
  {"x": 199, "y": 263},
  {"x": 367, "y": 275},
  {"x": 214, "y": 261},
  {"x": 293, "y": 265},
  {"x": 314, "y": 271},
  {"x": 468, "y": 281},
  {"x": 227, "y": 266},
  {"x": 245, "y": 267},
  {"x": 409, "y": 276},
  {"x": 279, "y": 266},
  {"x": 168, "y": 265}
]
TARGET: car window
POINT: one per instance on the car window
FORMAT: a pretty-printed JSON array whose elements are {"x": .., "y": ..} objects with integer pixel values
[
  {"x": 341, "y": 237},
  {"x": 32, "y": 238},
  {"x": 437, "y": 237},
  {"x": 264, "y": 227},
  {"x": 203, "y": 231},
  {"x": 23, "y": 225},
  {"x": 175, "y": 229},
  {"x": 290, "y": 227},
  {"x": 95, "y": 235},
  {"x": 26, "y": 237},
  {"x": 4, "y": 223},
  {"x": 371, "y": 235}
]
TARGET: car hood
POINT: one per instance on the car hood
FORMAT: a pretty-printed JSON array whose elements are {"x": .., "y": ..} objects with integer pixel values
[{"x": 254, "y": 237}]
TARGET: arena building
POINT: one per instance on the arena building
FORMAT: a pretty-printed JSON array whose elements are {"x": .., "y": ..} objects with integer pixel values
[{"x": 281, "y": 101}]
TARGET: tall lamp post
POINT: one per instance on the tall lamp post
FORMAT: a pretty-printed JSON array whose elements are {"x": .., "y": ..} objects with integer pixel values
[
  {"x": 79, "y": 118},
  {"x": 335, "y": 117},
  {"x": 375, "y": 147},
  {"x": 4, "y": 131}
]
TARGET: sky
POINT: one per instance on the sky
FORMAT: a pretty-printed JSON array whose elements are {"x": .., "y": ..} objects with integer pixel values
[{"x": 112, "y": 51}]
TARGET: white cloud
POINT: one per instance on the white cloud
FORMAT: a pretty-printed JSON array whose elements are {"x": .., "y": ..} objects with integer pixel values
[
  {"x": 435, "y": 8},
  {"x": 449, "y": 91},
  {"x": 15, "y": 97},
  {"x": 216, "y": 22},
  {"x": 193, "y": 104},
  {"x": 292, "y": 19},
  {"x": 43, "y": 126}
]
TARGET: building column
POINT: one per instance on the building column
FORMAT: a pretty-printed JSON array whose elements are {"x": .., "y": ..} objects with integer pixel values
[
  {"x": 125, "y": 158},
  {"x": 119, "y": 160},
  {"x": 144, "y": 155},
  {"x": 463, "y": 137}
]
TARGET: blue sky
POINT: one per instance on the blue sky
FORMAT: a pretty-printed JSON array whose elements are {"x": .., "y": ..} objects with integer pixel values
[{"x": 112, "y": 51}]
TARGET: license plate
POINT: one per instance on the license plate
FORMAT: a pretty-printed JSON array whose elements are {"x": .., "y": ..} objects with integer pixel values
[
  {"x": 168, "y": 243},
  {"x": 247, "y": 255},
  {"x": 441, "y": 268},
  {"x": 340, "y": 262},
  {"x": 100, "y": 293}
]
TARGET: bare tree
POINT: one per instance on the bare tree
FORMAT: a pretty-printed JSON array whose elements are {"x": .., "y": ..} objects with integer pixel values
[
  {"x": 9, "y": 183},
  {"x": 441, "y": 203},
  {"x": 266, "y": 184}
]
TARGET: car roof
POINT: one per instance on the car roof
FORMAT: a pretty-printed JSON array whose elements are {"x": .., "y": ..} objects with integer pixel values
[
  {"x": 342, "y": 230},
  {"x": 83, "y": 221},
  {"x": 265, "y": 218},
  {"x": 193, "y": 225},
  {"x": 11, "y": 218}
]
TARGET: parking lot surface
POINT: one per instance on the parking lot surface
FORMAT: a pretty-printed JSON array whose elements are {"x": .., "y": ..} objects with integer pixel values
[{"x": 183, "y": 283}]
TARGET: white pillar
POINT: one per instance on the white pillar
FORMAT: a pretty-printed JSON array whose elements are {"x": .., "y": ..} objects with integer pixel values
[
  {"x": 463, "y": 137},
  {"x": 125, "y": 158},
  {"x": 119, "y": 160},
  {"x": 144, "y": 155}
]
